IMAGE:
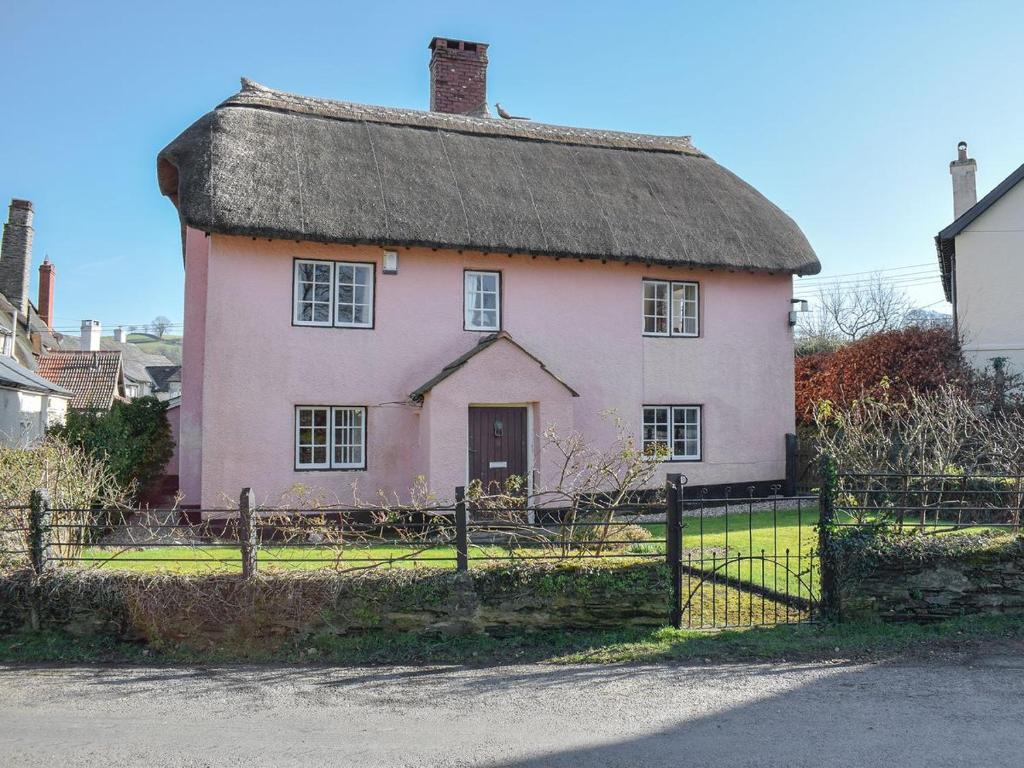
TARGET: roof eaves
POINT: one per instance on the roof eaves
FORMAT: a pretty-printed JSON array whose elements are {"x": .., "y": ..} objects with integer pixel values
[{"x": 945, "y": 241}]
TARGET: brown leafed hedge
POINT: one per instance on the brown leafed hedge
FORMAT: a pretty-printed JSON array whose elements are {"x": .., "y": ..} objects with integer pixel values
[{"x": 894, "y": 364}]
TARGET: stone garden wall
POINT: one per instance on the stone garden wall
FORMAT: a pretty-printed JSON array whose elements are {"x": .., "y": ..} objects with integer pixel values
[
  {"x": 270, "y": 611},
  {"x": 930, "y": 578}
]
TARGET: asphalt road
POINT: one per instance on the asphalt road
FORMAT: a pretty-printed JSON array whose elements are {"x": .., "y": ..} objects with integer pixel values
[{"x": 912, "y": 714}]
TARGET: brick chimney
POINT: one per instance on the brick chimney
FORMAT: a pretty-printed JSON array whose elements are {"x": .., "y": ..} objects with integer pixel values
[
  {"x": 120, "y": 336},
  {"x": 458, "y": 77},
  {"x": 965, "y": 188},
  {"x": 47, "y": 278},
  {"x": 91, "y": 332},
  {"x": 16, "y": 254}
]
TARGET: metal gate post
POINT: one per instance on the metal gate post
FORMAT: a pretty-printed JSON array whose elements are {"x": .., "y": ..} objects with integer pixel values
[
  {"x": 461, "y": 530},
  {"x": 674, "y": 544}
]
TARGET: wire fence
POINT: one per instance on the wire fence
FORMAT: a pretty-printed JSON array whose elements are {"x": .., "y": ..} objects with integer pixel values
[
  {"x": 249, "y": 537},
  {"x": 929, "y": 503}
]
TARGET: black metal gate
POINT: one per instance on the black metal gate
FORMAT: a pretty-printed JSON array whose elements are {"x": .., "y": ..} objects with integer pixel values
[{"x": 742, "y": 561}]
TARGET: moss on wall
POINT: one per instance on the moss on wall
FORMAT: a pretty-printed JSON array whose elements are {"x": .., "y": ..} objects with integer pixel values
[
  {"x": 224, "y": 611},
  {"x": 900, "y": 577}
]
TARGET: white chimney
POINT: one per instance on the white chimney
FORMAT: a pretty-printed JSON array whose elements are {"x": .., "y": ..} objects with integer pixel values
[
  {"x": 120, "y": 336},
  {"x": 965, "y": 189},
  {"x": 91, "y": 330}
]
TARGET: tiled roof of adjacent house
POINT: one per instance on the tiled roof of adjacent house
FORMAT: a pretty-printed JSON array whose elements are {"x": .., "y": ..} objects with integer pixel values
[
  {"x": 163, "y": 375},
  {"x": 17, "y": 376},
  {"x": 95, "y": 378},
  {"x": 136, "y": 362},
  {"x": 272, "y": 164}
]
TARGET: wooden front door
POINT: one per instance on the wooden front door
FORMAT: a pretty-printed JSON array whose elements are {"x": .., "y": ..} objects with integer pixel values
[{"x": 497, "y": 444}]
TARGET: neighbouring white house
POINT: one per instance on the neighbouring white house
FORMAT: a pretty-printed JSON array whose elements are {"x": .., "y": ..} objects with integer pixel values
[
  {"x": 29, "y": 404},
  {"x": 981, "y": 255}
]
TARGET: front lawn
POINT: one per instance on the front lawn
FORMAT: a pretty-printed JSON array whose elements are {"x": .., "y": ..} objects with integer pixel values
[
  {"x": 713, "y": 600},
  {"x": 767, "y": 548}
]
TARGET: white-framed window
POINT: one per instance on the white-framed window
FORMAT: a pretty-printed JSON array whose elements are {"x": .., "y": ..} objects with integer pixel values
[
  {"x": 333, "y": 293},
  {"x": 312, "y": 436},
  {"x": 671, "y": 308},
  {"x": 349, "y": 438},
  {"x": 673, "y": 430},
  {"x": 330, "y": 437},
  {"x": 354, "y": 296},
  {"x": 482, "y": 301},
  {"x": 313, "y": 288}
]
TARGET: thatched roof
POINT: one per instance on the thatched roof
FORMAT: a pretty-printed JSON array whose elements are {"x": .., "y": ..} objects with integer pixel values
[{"x": 271, "y": 164}]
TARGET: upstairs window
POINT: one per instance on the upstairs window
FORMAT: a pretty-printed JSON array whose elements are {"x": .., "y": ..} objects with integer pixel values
[
  {"x": 329, "y": 293},
  {"x": 482, "y": 301},
  {"x": 671, "y": 308},
  {"x": 673, "y": 431},
  {"x": 330, "y": 437}
]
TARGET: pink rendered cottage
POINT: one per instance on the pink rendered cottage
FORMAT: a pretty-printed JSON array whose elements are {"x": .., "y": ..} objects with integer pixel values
[{"x": 374, "y": 294}]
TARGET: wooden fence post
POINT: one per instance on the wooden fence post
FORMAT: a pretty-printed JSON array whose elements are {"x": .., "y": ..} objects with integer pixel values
[
  {"x": 674, "y": 544},
  {"x": 39, "y": 532},
  {"x": 461, "y": 530},
  {"x": 248, "y": 530},
  {"x": 830, "y": 600}
]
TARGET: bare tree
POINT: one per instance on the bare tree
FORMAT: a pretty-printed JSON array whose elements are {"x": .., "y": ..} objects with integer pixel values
[
  {"x": 843, "y": 313},
  {"x": 160, "y": 325}
]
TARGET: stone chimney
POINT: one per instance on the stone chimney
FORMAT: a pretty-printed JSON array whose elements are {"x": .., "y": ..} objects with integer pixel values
[
  {"x": 91, "y": 331},
  {"x": 965, "y": 188},
  {"x": 47, "y": 278},
  {"x": 458, "y": 77},
  {"x": 120, "y": 336},
  {"x": 16, "y": 254}
]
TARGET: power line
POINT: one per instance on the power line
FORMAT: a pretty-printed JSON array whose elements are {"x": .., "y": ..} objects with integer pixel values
[
  {"x": 871, "y": 271},
  {"x": 872, "y": 280}
]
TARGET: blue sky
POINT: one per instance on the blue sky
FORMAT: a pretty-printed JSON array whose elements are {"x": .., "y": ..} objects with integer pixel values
[{"x": 845, "y": 114}]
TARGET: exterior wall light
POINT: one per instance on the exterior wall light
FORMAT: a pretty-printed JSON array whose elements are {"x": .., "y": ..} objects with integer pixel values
[
  {"x": 799, "y": 306},
  {"x": 390, "y": 262}
]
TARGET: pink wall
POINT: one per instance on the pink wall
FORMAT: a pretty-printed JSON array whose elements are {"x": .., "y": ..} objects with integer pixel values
[
  {"x": 245, "y": 361},
  {"x": 193, "y": 366}
]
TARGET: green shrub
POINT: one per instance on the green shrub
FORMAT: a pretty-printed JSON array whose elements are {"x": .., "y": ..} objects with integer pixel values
[
  {"x": 76, "y": 481},
  {"x": 133, "y": 439}
]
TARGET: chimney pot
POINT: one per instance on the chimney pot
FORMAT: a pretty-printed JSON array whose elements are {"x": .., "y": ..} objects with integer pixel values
[
  {"x": 458, "y": 77},
  {"x": 964, "y": 172}
]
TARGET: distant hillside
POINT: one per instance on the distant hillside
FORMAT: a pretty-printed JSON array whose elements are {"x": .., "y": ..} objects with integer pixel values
[{"x": 169, "y": 346}]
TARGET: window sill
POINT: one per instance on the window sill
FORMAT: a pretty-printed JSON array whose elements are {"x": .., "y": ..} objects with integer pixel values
[{"x": 330, "y": 469}]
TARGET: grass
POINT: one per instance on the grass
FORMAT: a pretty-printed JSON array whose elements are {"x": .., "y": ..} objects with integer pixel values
[
  {"x": 752, "y": 548},
  {"x": 169, "y": 346},
  {"x": 712, "y": 601},
  {"x": 790, "y": 643}
]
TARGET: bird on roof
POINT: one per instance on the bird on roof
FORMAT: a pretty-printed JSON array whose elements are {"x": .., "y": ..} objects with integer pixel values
[{"x": 503, "y": 114}]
